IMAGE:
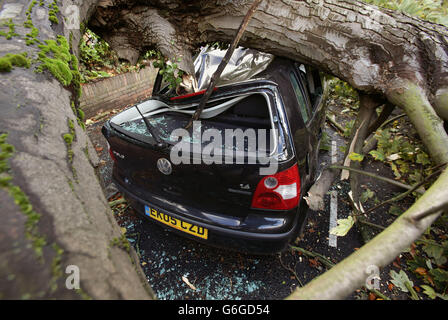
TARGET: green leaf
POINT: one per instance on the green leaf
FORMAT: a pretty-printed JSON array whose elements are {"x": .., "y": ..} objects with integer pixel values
[
  {"x": 429, "y": 264},
  {"x": 366, "y": 195},
  {"x": 401, "y": 280},
  {"x": 395, "y": 170},
  {"x": 430, "y": 292},
  {"x": 377, "y": 155},
  {"x": 343, "y": 227},
  {"x": 423, "y": 158},
  {"x": 356, "y": 156},
  {"x": 416, "y": 176},
  {"x": 439, "y": 275},
  {"x": 395, "y": 211},
  {"x": 435, "y": 252}
]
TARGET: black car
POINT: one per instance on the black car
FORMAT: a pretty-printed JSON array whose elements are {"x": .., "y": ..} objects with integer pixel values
[{"x": 244, "y": 195}]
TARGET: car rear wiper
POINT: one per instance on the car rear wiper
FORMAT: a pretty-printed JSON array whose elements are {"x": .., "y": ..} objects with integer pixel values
[{"x": 160, "y": 144}]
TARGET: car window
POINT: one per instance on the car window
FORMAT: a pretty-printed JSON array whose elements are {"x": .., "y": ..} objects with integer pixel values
[
  {"x": 300, "y": 98},
  {"x": 312, "y": 83}
]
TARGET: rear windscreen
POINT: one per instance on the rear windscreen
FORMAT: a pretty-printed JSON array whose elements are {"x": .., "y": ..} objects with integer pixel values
[{"x": 247, "y": 117}]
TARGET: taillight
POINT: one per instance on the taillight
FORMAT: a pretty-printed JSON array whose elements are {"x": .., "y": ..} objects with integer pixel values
[
  {"x": 280, "y": 191},
  {"x": 111, "y": 153}
]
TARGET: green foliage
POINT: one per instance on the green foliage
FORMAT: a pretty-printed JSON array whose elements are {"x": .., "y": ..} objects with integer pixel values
[
  {"x": 356, "y": 156},
  {"x": 348, "y": 128},
  {"x": 20, "y": 198},
  {"x": 401, "y": 281},
  {"x": 435, "y": 252},
  {"x": 429, "y": 260},
  {"x": 81, "y": 115},
  {"x": 76, "y": 80},
  {"x": 406, "y": 157},
  {"x": 96, "y": 56},
  {"x": 55, "y": 57},
  {"x": 121, "y": 242},
  {"x": 54, "y": 9},
  {"x": 68, "y": 138},
  {"x": 342, "y": 89},
  {"x": 30, "y": 7},
  {"x": 219, "y": 45},
  {"x": 431, "y": 10},
  {"x": 343, "y": 227},
  {"x": 325, "y": 142},
  {"x": 432, "y": 294},
  {"x": 366, "y": 195},
  {"x": 395, "y": 211},
  {"x": 56, "y": 267},
  {"x": 18, "y": 60},
  {"x": 98, "y": 60},
  {"x": 93, "y": 50},
  {"x": 170, "y": 71},
  {"x": 11, "y": 32},
  {"x": 31, "y": 37},
  {"x": 377, "y": 155}
]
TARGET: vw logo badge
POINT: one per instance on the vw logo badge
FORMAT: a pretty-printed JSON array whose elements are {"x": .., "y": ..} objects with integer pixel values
[{"x": 164, "y": 166}]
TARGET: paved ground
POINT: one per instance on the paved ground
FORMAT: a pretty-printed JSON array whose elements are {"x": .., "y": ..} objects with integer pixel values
[{"x": 218, "y": 274}]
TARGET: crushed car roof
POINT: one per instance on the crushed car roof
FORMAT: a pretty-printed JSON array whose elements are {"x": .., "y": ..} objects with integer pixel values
[{"x": 243, "y": 65}]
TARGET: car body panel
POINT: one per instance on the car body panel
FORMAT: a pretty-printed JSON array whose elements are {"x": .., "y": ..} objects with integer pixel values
[{"x": 218, "y": 196}]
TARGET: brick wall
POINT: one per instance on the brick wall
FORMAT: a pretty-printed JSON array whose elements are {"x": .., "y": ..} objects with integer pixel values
[{"x": 118, "y": 91}]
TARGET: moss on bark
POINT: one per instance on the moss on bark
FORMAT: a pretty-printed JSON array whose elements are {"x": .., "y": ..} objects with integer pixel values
[{"x": 8, "y": 61}]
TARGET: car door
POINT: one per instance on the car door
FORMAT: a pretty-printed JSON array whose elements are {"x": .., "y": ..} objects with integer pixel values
[{"x": 311, "y": 109}]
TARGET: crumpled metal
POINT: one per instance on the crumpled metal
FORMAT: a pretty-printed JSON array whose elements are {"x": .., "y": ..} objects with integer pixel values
[{"x": 243, "y": 65}]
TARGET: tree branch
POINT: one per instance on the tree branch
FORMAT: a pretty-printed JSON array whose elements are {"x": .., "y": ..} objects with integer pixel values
[
  {"x": 318, "y": 256},
  {"x": 385, "y": 113},
  {"x": 404, "y": 194},
  {"x": 375, "y": 176},
  {"x": 350, "y": 274}
]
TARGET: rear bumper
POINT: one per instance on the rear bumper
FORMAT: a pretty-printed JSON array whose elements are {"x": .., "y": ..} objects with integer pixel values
[{"x": 219, "y": 236}]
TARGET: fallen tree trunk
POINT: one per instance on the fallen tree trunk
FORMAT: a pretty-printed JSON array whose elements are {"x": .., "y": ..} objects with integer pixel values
[
  {"x": 57, "y": 227},
  {"x": 378, "y": 52},
  {"x": 55, "y": 214},
  {"x": 400, "y": 58},
  {"x": 351, "y": 273}
]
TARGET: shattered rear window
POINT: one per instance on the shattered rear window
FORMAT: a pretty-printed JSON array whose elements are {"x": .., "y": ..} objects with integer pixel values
[{"x": 165, "y": 124}]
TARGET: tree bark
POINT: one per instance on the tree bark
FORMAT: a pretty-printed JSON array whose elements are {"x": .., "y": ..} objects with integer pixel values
[
  {"x": 377, "y": 51},
  {"x": 54, "y": 218},
  {"x": 385, "y": 113},
  {"x": 352, "y": 272},
  {"x": 54, "y": 213},
  {"x": 380, "y": 52}
]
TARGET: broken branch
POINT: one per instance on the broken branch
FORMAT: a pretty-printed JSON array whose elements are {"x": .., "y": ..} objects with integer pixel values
[
  {"x": 404, "y": 194},
  {"x": 318, "y": 256},
  {"x": 385, "y": 113},
  {"x": 335, "y": 124},
  {"x": 372, "y": 175},
  {"x": 349, "y": 274}
]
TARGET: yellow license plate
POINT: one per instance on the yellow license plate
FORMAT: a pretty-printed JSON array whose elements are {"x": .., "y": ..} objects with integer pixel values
[{"x": 175, "y": 223}]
